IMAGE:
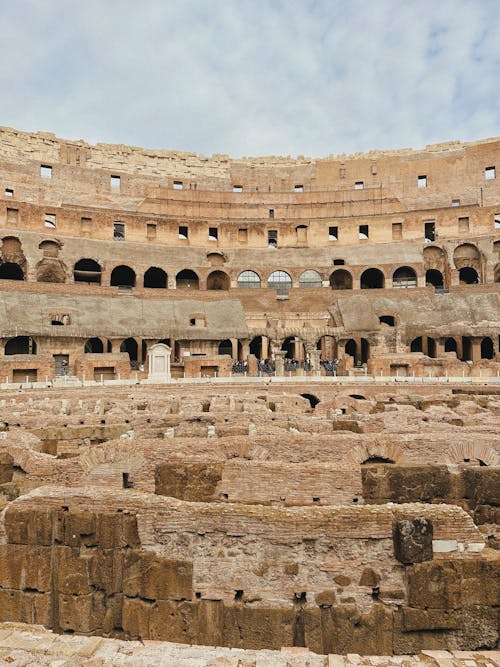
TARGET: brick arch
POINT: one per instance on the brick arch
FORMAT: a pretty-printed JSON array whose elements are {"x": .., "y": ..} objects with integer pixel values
[
  {"x": 123, "y": 455},
  {"x": 360, "y": 453},
  {"x": 469, "y": 450}
]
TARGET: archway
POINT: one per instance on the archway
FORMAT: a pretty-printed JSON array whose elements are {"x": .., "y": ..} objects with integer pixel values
[
  {"x": 11, "y": 271},
  {"x": 122, "y": 276},
  {"x": 310, "y": 278},
  {"x": 341, "y": 279},
  {"x": 450, "y": 345},
  {"x": 187, "y": 279},
  {"x": 313, "y": 400},
  {"x": 387, "y": 319},
  {"x": 256, "y": 347},
  {"x": 93, "y": 346},
  {"x": 155, "y": 278},
  {"x": 218, "y": 280},
  {"x": 372, "y": 279},
  {"x": 131, "y": 348},
  {"x": 351, "y": 349},
  {"x": 377, "y": 459},
  {"x": 435, "y": 278},
  {"x": 20, "y": 345},
  {"x": 87, "y": 271},
  {"x": 365, "y": 350},
  {"x": 431, "y": 347},
  {"x": 487, "y": 350},
  {"x": 468, "y": 276},
  {"x": 288, "y": 346},
  {"x": 416, "y": 345},
  {"x": 249, "y": 279},
  {"x": 404, "y": 277},
  {"x": 280, "y": 281},
  {"x": 226, "y": 347}
]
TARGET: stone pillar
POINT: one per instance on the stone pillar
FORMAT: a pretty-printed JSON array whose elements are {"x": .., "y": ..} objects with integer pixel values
[
  {"x": 356, "y": 283},
  {"x": 298, "y": 349},
  {"x": 439, "y": 347},
  {"x": 279, "y": 358},
  {"x": 421, "y": 280},
  {"x": 315, "y": 358},
  {"x": 171, "y": 281},
  {"x": 253, "y": 368},
  {"x": 454, "y": 278},
  {"x": 234, "y": 346},
  {"x": 265, "y": 348},
  {"x": 245, "y": 349},
  {"x": 476, "y": 349}
]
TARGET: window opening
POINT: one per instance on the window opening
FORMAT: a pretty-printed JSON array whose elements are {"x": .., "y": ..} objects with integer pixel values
[
  {"x": 359, "y": 185},
  {"x": 333, "y": 233},
  {"x": 119, "y": 231},
  {"x": 298, "y": 188},
  {"x": 237, "y": 188},
  {"x": 50, "y": 221},
  {"x": 397, "y": 231},
  {"x": 115, "y": 182},
  {"x": 363, "y": 232},
  {"x": 183, "y": 232},
  {"x": 177, "y": 185},
  {"x": 422, "y": 181},
  {"x": 455, "y": 202},
  {"x": 213, "y": 233},
  {"x": 271, "y": 213},
  {"x": 489, "y": 173},
  {"x": 430, "y": 231},
  {"x": 463, "y": 225},
  {"x": 9, "y": 192},
  {"x": 46, "y": 171},
  {"x": 272, "y": 238}
]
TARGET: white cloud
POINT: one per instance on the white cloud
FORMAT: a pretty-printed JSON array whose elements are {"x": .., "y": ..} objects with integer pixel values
[{"x": 253, "y": 77}]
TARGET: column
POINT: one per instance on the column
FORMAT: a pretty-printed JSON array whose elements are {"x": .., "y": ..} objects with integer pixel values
[
  {"x": 476, "y": 349},
  {"x": 265, "y": 348},
  {"x": 280, "y": 363}
]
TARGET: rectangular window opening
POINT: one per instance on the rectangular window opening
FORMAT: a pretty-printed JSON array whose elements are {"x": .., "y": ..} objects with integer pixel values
[
  {"x": 489, "y": 173},
  {"x": 9, "y": 192},
  {"x": 463, "y": 225},
  {"x": 177, "y": 185},
  {"x": 119, "y": 231},
  {"x": 363, "y": 232},
  {"x": 496, "y": 221},
  {"x": 455, "y": 202},
  {"x": 430, "y": 231},
  {"x": 397, "y": 231},
  {"x": 213, "y": 233},
  {"x": 243, "y": 235},
  {"x": 115, "y": 183},
  {"x": 237, "y": 188},
  {"x": 422, "y": 181},
  {"x": 150, "y": 231},
  {"x": 359, "y": 185},
  {"x": 272, "y": 238},
  {"x": 50, "y": 221},
  {"x": 333, "y": 233},
  {"x": 46, "y": 171},
  {"x": 183, "y": 232},
  {"x": 12, "y": 216},
  {"x": 298, "y": 188},
  {"x": 338, "y": 262},
  {"x": 271, "y": 213}
]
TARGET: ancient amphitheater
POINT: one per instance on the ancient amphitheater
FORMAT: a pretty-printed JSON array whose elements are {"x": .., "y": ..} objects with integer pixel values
[{"x": 249, "y": 407}]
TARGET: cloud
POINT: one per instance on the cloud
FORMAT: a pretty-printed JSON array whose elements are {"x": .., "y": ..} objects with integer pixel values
[{"x": 253, "y": 77}]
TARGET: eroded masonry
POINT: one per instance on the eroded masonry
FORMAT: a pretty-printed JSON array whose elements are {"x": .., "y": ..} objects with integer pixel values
[{"x": 249, "y": 404}]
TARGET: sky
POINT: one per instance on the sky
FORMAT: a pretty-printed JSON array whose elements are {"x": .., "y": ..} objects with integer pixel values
[{"x": 253, "y": 77}]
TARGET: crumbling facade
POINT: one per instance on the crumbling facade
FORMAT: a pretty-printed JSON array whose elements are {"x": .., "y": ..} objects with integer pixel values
[{"x": 387, "y": 260}]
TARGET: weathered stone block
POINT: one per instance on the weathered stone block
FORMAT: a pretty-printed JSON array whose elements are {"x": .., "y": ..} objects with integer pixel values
[
  {"x": 154, "y": 578},
  {"x": 196, "y": 482},
  {"x": 412, "y": 540}
]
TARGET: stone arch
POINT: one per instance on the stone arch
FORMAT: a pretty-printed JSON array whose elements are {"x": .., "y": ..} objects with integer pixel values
[
  {"x": 470, "y": 451},
  {"x": 404, "y": 277},
  {"x": 434, "y": 277},
  {"x": 11, "y": 271},
  {"x": 216, "y": 258},
  {"x": 218, "y": 280},
  {"x": 187, "y": 279},
  {"x": 12, "y": 252},
  {"x": 87, "y": 270},
  {"x": 280, "y": 280},
  {"x": 225, "y": 347},
  {"x": 93, "y": 346},
  {"x": 20, "y": 345},
  {"x": 155, "y": 278},
  {"x": 416, "y": 345},
  {"x": 361, "y": 453},
  {"x": 467, "y": 256},
  {"x": 341, "y": 279},
  {"x": 249, "y": 278},
  {"x": 310, "y": 278},
  {"x": 50, "y": 247},
  {"x": 372, "y": 278},
  {"x": 99, "y": 461},
  {"x": 123, "y": 276}
]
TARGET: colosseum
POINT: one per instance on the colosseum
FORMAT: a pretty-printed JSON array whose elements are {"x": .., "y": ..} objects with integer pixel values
[{"x": 249, "y": 406}]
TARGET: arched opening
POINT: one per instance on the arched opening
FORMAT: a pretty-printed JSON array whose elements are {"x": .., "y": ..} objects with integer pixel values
[
  {"x": 416, "y": 345},
  {"x": 372, "y": 279},
  {"x": 358, "y": 397},
  {"x": 50, "y": 248},
  {"x": 122, "y": 276},
  {"x": 310, "y": 278},
  {"x": 249, "y": 279},
  {"x": 288, "y": 346},
  {"x": 351, "y": 349},
  {"x": 218, "y": 280},
  {"x": 404, "y": 277},
  {"x": 377, "y": 459},
  {"x": 487, "y": 351},
  {"x": 87, "y": 271},
  {"x": 93, "y": 346},
  {"x": 341, "y": 279},
  {"x": 387, "y": 319},
  {"x": 20, "y": 345},
  {"x": 434, "y": 278},
  {"x": 131, "y": 348},
  {"x": 431, "y": 348},
  {"x": 313, "y": 400},
  {"x": 365, "y": 350},
  {"x": 466, "y": 348},
  {"x": 155, "y": 278},
  {"x": 256, "y": 347},
  {"x": 468, "y": 276},
  {"x": 280, "y": 281},
  {"x": 11, "y": 271},
  {"x": 226, "y": 347},
  {"x": 450, "y": 345},
  {"x": 187, "y": 279}
]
